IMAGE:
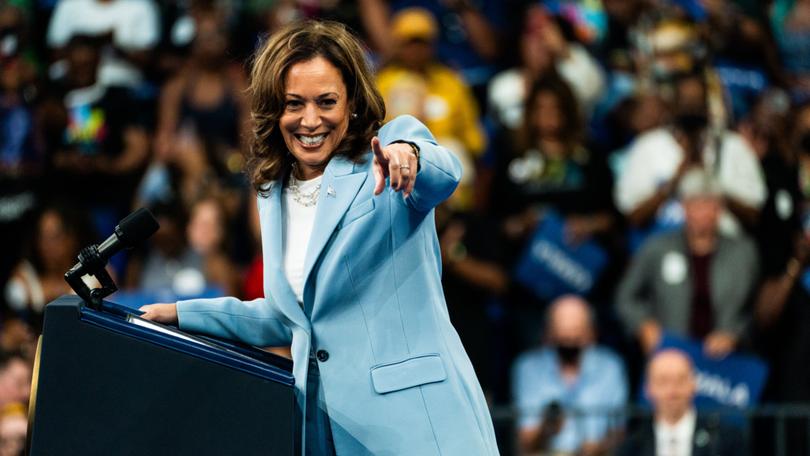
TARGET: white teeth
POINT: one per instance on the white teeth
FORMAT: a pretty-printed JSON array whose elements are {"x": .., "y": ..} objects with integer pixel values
[{"x": 311, "y": 140}]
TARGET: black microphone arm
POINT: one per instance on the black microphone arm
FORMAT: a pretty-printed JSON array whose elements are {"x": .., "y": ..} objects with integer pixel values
[{"x": 132, "y": 230}]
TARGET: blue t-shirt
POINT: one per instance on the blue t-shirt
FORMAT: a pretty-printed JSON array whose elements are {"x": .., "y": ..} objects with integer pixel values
[{"x": 591, "y": 405}]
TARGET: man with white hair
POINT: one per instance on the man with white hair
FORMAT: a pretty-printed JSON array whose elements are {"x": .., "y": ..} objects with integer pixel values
[
  {"x": 676, "y": 428},
  {"x": 693, "y": 282},
  {"x": 568, "y": 391}
]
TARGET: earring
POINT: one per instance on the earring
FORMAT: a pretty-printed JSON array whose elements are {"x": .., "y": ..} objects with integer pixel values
[{"x": 354, "y": 115}]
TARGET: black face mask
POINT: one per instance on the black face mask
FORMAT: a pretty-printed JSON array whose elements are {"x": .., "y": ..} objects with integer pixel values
[
  {"x": 692, "y": 122},
  {"x": 568, "y": 354},
  {"x": 804, "y": 142}
]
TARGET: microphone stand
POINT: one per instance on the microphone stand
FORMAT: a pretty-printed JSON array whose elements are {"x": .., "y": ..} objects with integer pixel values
[{"x": 91, "y": 263}]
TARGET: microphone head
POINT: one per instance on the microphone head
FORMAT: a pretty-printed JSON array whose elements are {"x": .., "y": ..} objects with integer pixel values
[{"x": 136, "y": 227}]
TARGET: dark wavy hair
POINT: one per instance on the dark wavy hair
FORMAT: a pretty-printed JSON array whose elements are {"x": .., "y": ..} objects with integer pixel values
[
  {"x": 268, "y": 158},
  {"x": 572, "y": 129}
]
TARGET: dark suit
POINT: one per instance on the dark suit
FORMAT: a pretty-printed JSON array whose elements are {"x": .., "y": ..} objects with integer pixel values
[{"x": 711, "y": 438}]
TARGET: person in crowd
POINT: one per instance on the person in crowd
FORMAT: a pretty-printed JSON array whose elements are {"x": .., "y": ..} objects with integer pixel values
[
  {"x": 547, "y": 166},
  {"x": 204, "y": 105},
  {"x": 780, "y": 310},
  {"x": 15, "y": 378},
  {"x": 60, "y": 232},
  {"x": 676, "y": 428},
  {"x": 790, "y": 24},
  {"x": 658, "y": 160},
  {"x": 743, "y": 54},
  {"x": 173, "y": 266},
  {"x": 767, "y": 131},
  {"x": 415, "y": 83},
  {"x": 13, "y": 429},
  {"x": 475, "y": 280},
  {"x": 624, "y": 21},
  {"x": 207, "y": 234},
  {"x": 96, "y": 138},
  {"x": 693, "y": 282},
  {"x": 21, "y": 157},
  {"x": 569, "y": 392},
  {"x": 129, "y": 31},
  {"x": 545, "y": 49},
  {"x": 351, "y": 258},
  {"x": 630, "y": 118},
  {"x": 18, "y": 154},
  {"x": 470, "y": 34},
  {"x": 546, "y": 169}
]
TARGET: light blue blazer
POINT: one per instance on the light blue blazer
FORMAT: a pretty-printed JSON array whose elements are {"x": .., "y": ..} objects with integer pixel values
[{"x": 397, "y": 380}]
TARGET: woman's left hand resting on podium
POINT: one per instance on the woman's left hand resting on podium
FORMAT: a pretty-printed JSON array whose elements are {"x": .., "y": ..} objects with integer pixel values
[{"x": 161, "y": 313}]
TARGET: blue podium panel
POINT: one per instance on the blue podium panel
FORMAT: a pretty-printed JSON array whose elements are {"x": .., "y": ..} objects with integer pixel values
[{"x": 109, "y": 383}]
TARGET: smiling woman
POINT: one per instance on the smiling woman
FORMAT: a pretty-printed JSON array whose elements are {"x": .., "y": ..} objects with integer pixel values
[
  {"x": 316, "y": 114},
  {"x": 287, "y": 103},
  {"x": 352, "y": 274}
]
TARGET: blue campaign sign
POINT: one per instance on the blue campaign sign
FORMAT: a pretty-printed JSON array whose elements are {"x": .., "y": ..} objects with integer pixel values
[
  {"x": 552, "y": 267},
  {"x": 735, "y": 381}
]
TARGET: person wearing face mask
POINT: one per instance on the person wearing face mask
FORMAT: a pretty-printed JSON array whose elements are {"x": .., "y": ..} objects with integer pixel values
[
  {"x": 568, "y": 391},
  {"x": 658, "y": 159},
  {"x": 352, "y": 267}
]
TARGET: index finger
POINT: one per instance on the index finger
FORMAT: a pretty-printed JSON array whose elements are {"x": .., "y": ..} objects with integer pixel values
[{"x": 378, "y": 151}]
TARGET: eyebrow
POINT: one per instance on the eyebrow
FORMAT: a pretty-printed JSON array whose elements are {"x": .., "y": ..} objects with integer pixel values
[{"x": 323, "y": 95}]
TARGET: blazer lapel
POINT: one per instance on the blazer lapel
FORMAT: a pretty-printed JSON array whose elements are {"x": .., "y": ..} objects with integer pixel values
[
  {"x": 339, "y": 187},
  {"x": 277, "y": 282}
]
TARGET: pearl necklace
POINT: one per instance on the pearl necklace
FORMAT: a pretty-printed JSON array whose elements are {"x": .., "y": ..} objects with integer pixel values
[{"x": 305, "y": 199}]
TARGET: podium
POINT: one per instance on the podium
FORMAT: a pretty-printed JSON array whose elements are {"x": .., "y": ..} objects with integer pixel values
[{"x": 109, "y": 383}]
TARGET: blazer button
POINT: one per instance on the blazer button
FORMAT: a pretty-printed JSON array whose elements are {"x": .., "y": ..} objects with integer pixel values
[{"x": 322, "y": 355}]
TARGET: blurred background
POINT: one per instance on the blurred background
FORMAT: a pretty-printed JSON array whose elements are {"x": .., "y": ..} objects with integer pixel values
[{"x": 636, "y": 176}]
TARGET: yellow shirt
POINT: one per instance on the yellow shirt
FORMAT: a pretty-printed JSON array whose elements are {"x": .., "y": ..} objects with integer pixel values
[{"x": 443, "y": 102}]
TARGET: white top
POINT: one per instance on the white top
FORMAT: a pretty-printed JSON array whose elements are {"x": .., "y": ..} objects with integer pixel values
[
  {"x": 135, "y": 26},
  {"x": 675, "y": 440},
  {"x": 654, "y": 158},
  {"x": 297, "y": 229}
]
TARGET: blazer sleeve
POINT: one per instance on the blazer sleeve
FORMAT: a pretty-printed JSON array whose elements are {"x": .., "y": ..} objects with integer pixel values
[
  {"x": 439, "y": 169},
  {"x": 255, "y": 322}
]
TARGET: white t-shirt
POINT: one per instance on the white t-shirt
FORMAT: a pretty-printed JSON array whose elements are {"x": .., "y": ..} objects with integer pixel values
[
  {"x": 298, "y": 222},
  {"x": 134, "y": 24},
  {"x": 675, "y": 440},
  {"x": 654, "y": 158}
]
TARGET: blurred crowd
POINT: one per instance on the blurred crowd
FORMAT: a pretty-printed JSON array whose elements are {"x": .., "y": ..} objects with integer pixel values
[{"x": 663, "y": 145}]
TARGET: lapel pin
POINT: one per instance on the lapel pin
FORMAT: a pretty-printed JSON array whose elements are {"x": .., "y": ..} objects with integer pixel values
[{"x": 331, "y": 192}]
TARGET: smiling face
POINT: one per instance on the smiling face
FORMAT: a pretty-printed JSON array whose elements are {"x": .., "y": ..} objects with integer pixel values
[{"x": 316, "y": 114}]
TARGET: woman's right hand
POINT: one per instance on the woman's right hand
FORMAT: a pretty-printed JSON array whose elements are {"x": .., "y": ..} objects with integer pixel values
[{"x": 161, "y": 313}]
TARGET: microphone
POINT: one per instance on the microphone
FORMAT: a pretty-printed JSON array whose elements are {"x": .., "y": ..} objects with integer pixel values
[{"x": 132, "y": 230}]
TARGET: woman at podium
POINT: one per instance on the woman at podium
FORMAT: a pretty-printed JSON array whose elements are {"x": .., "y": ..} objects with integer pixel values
[{"x": 352, "y": 269}]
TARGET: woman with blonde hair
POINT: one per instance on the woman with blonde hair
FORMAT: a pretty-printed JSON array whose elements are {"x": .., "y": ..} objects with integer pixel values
[{"x": 352, "y": 268}]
